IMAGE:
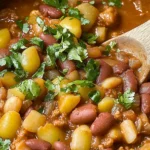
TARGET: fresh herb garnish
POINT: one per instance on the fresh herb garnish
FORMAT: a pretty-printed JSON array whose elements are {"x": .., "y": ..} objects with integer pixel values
[
  {"x": 73, "y": 86},
  {"x": 30, "y": 88},
  {"x": 37, "y": 41},
  {"x": 23, "y": 26},
  {"x": 126, "y": 99},
  {"x": 4, "y": 144},
  {"x": 90, "y": 38},
  {"x": 74, "y": 12},
  {"x": 92, "y": 70},
  {"x": 116, "y": 3},
  {"x": 95, "y": 96},
  {"x": 40, "y": 72},
  {"x": 109, "y": 47},
  {"x": 20, "y": 45},
  {"x": 60, "y": 4},
  {"x": 2, "y": 73}
]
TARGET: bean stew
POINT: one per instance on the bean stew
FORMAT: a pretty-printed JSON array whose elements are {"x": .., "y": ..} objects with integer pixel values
[{"x": 60, "y": 89}]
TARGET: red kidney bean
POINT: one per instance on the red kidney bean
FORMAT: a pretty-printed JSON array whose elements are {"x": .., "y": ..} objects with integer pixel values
[
  {"x": 102, "y": 124},
  {"x": 67, "y": 64},
  {"x": 145, "y": 103},
  {"x": 145, "y": 88},
  {"x": 49, "y": 11},
  {"x": 105, "y": 71},
  {"x": 120, "y": 67},
  {"x": 48, "y": 39},
  {"x": 36, "y": 144},
  {"x": 60, "y": 146},
  {"x": 130, "y": 81},
  {"x": 84, "y": 114}
]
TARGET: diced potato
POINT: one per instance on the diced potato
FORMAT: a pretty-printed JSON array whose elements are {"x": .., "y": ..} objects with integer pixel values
[
  {"x": 33, "y": 121},
  {"x": 81, "y": 138},
  {"x": 13, "y": 104},
  {"x": 129, "y": 131},
  {"x": 8, "y": 79},
  {"x": 74, "y": 75},
  {"x": 115, "y": 133},
  {"x": 9, "y": 124},
  {"x": 111, "y": 82},
  {"x": 41, "y": 82},
  {"x": 106, "y": 104},
  {"x": 84, "y": 92},
  {"x": 4, "y": 38},
  {"x": 15, "y": 92},
  {"x": 67, "y": 102},
  {"x": 50, "y": 133},
  {"x": 101, "y": 34},
  {"x": 90, "y": 13},
  {"x": 30, "y": 60},
  {"x": 94, "y": 52},
  {"x": 73, "y": 25}
]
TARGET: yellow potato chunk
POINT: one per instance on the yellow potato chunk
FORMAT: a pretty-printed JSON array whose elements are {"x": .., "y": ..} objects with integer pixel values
[
  {"x": 101, "y": 33},
  {"x": 15, "y": 92},
  {"x": 73, "y": 25},
  {"x": 13, "y": 104},
  {"x": 9, "y": 124},
  {"x": 81, "y": 138},
  {"x": 90, "y": 13},
  {"x": 30, "y": 60},
  {"x": 67, "y": 102},
  {"x": 50, "y": 133},
  {"x": 4, "y": 38},
  {"x": 33, "y": 121},
  {"x": 8, "y": 79},
  {"x": 106, "y": 104}
]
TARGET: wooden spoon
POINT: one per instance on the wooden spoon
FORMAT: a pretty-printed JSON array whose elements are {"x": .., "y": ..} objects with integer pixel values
[{"x": 137, "y": 43}]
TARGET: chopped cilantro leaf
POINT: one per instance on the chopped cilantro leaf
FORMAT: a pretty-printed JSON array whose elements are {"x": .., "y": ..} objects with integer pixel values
[
  {"x": 2, "y": 73},
  {"x": 73, "y": 86},
  {"x": 37, "y": 41},
  {"x": 20, "y": 45},
  {"x": 116, "y": 3},
  {"x": 30, "y": 88},
  {"x": 95, "y": 96},
  {"x": 40, "y": 72},
  {"x": 60, "y": 4},
  {"x": 109, "y": 47},
  {"x": 23, "y": 26},
  {"x": 74, "y": 12},
  {"x": 41, "y": 23},
  {"x": 92, "y": 70},
  {"x": 90, "y": 38},
  {"x": 126, "y": 99},
  {"x": 41, "y": 110},
  {"x": 4, "y": 144}
]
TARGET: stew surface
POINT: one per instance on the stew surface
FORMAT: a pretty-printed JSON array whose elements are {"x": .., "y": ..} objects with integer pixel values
[{"x": 59, "y": 88}]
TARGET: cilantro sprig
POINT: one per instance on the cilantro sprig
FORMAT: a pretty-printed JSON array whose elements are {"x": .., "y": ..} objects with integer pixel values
[
  {"x": 116, "y": 3},
  {"x": 95, "y": 96},
  {"x": 23, "y": 26},
  {"x": 4, "y": 144},
  {"x": 74, "y": 12},
  {"x": 126, "y": 99},
  {"x": 90, "y": 38}
]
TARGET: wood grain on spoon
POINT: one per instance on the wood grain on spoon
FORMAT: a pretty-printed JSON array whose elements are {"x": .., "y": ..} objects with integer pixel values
[{"x": 137, "y": 43}]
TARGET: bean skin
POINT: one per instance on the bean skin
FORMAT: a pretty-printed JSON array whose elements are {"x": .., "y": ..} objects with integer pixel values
[
  {"x": 67, "y": 64},
  {"x": 60, "y": 146},
  {"x": 84, "y": 114},
  {"x": 145, "y": 88},
  {"x": 48, "y": 39},
  {"x": 145, "y": 103},
  {"x": 49, "y": 11},
  {"x": 130, "y": 81},
  {"x": 102, "y": 124},
  {"x": 120, "y": 67},
  {"x": 36, "y": 144},
  {"x": 105, "y": 72}
]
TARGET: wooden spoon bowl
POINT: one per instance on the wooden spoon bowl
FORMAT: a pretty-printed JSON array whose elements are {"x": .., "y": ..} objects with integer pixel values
[{"x": 137, "y": 43}]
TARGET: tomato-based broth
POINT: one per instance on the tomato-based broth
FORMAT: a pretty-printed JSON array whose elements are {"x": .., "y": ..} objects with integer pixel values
[{"x": 60, "y": 88}]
